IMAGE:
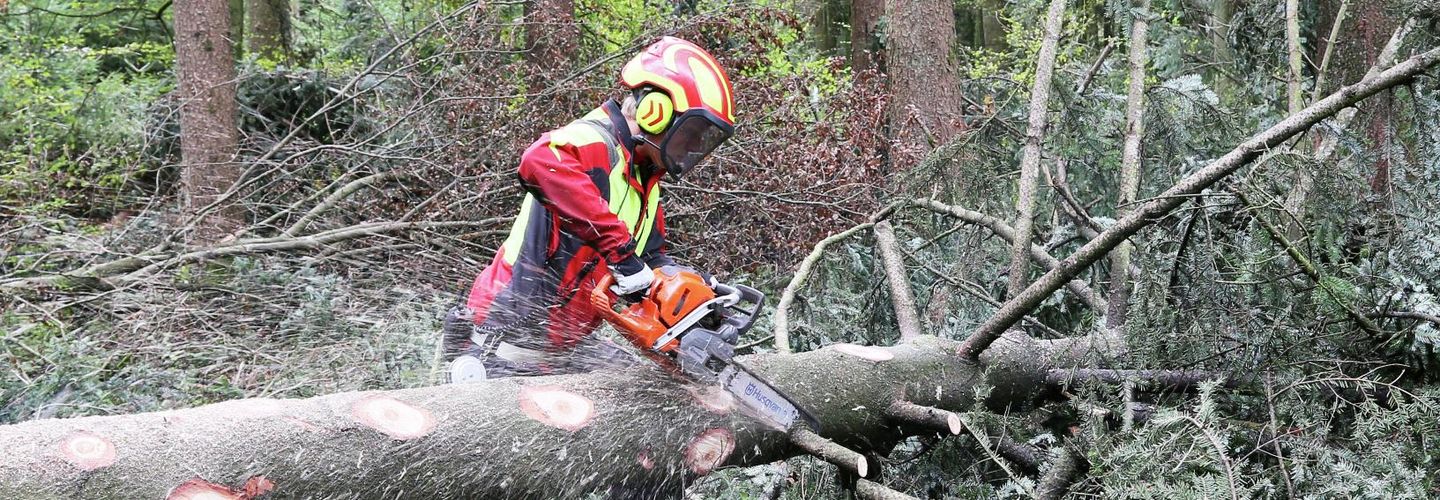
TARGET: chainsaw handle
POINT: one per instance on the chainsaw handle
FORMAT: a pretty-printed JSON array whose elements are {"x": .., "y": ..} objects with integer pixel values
[
  {"x": 600, "y": 298},
  {"x": 626, "y": 319},
  {"x": 728, "y": 295},
  {"x": 744, "y": 317}
]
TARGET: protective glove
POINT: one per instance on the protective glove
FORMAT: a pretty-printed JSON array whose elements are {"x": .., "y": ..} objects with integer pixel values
[{"x": 632, "y": 278}]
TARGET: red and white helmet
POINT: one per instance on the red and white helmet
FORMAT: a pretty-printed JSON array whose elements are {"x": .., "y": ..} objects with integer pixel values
[{"x": 684, "y": 97}]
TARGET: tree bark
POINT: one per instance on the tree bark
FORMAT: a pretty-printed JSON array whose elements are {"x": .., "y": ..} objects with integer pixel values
[
  {"x": 924, "y": 78},
  {"x": 827, "y": 25},
  {"x": 1017, "y": 307},
  {"x": 1120, "y": 285},
  {"x": 209, "y": 136},
  {"x": 1066, "y": 469},
  {"x": 864, "y": 34},
  {"x": 1360, "y": 48},
  {"x": 267, "y": 28},
  {"x": 1030, "y": 156},
  {"x": 543, "y": 437}
]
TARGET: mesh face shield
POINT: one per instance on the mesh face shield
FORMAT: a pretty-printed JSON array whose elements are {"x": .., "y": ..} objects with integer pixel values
[{"x": 692, "y": 137}]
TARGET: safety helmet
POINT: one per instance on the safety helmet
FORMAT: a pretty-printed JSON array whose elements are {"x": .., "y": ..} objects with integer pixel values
[{"x": 683, "y": 96}]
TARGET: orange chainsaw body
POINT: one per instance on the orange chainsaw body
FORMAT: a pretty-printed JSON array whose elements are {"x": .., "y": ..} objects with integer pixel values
[{"x": 674, "y": 294}]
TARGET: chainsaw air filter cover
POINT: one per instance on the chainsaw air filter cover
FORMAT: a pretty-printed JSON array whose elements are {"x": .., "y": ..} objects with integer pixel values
[{"x": 678, "y": 292}]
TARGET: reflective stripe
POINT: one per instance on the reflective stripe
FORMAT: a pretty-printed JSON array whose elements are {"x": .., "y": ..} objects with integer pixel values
[
  {"x": 516, "y": 354},
  {"x": 625, "y": 203},
  {"x": 652, "y": 205},
  {"x": 517, "y": 231}
]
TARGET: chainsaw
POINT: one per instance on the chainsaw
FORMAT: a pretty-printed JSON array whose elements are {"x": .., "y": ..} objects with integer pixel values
[{"x": 690, "y": 328}]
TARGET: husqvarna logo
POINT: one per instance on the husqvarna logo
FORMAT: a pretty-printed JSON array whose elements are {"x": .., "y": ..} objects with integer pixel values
[{"x": 758, "y": 394}]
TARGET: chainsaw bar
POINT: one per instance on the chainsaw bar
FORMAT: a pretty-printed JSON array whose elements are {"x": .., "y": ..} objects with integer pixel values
[{"x": 762, "y": 399}]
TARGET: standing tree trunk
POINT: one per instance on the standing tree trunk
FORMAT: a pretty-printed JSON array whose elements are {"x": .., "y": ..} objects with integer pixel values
[
  {"x": 208, "y": 134},
  {"x": 1292, "y": 46},
  {"x": 1030, "y": 157},
  {"x": 267, "y": 26},
  {"x": 1222, "y": 12},
  {"x": 864, "y": 34},
  {"x": 924, "y": 79},
  {"x": 992, "y": 29},
  {"x": 1358, "y": 47},
  {"x": 552, "y": 37},
  {"x": 1130, "y": 161},
  {"x": 827, "y": 25},
  {"x": 237, "y": 28}
]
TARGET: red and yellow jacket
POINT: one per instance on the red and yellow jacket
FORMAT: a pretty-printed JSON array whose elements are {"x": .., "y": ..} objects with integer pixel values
[{"x": 586, "y": 206}]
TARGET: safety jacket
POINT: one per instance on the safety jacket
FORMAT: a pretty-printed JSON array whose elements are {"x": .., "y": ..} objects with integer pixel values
[{"x": 586, "y": 206}]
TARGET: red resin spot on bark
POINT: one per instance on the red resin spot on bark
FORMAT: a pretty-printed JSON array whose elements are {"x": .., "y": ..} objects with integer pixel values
[
  {"x": 556, "y": 407},
  {"x": 715, "y": 399},
  {"x": 256, "y": 486},
  {"x": 200, "y": 489},
  {"x": 87, "y": 450},
  {"x": 393, "y": 417},
  {"x": 709, "y": 449},
  {"x": 644, "y": 458},
  {"x": 868, "y": 353}
]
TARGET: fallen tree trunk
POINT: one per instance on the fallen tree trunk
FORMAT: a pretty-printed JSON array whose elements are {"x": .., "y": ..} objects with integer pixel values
[{"x": 552, "y": 437}]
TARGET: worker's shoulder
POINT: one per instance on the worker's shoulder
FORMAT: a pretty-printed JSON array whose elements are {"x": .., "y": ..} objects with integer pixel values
[
  {"x": 573, "y": 142},
  {"x": 579, "y": 133}
]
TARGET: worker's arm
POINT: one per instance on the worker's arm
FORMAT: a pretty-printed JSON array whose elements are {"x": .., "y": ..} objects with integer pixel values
[
  {"x": 655, "y": 253},
  {"x": 552, "y": 171}
]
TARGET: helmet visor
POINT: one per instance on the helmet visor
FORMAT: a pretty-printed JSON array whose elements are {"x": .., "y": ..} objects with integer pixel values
[{"x": 691, "y": 139}]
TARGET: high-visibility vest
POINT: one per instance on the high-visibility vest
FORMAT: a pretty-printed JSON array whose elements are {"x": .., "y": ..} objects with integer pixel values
[{"x": 637, "y": 212}]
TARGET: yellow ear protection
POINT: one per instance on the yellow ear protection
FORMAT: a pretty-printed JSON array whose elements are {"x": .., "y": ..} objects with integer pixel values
[{"x": 653, "y": 111}]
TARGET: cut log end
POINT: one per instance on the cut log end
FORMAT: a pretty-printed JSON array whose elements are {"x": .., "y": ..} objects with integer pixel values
[
  {"x": 556, "y": 407},
  {"x": 934, "y": 418},
  {"x": 87, "y": 450},
  {"x": 393, "y": 417},
  {"x": 644, "y": 458},
  {"x": 862, "y": 467},
  {"x": 256, "y": 486},
  {"x": 868, "y": 353},
  {"x": 200, "y": 489},
  {"x": 709, "y": 449}
]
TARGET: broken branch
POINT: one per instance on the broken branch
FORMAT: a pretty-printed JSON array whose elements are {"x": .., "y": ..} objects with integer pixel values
[
  {"x": 827, "y": 450},
  {"x": 1191, "y": 185},
  {"x": 900, "y": 296}
]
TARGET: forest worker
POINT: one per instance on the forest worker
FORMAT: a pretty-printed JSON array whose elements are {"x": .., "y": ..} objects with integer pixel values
[{"x": 592, "y": 206}]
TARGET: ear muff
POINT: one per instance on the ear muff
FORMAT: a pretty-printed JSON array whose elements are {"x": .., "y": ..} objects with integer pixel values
[{"x": 654, "y": 111}]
